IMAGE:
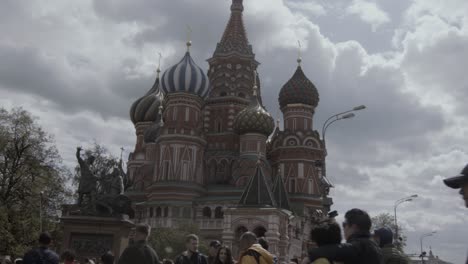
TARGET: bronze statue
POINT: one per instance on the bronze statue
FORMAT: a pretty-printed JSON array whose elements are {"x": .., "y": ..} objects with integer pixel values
[
  {"x": 104, "y": 193},
  {"x": 88, "y": 182}
]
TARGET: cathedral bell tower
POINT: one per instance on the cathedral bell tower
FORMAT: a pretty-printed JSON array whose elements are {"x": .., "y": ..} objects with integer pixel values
[{"x": 230, "y": 74}]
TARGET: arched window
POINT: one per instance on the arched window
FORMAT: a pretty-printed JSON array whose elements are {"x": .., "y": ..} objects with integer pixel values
[
  {"x": 158, "y": 212},
  {"x": 166, "y": 211},
  {"x": 219, "y": 212},
  {"x": 151, "y": 212},
  {"x": 207, "y": 212}
]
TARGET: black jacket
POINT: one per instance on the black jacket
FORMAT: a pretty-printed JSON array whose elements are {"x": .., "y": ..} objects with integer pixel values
[
  {"x": 195, "y": 258},
  {"x": 41, "y": 255},
  {"x": 139, "y": 253},
  {"x": 359, "y": 249}
]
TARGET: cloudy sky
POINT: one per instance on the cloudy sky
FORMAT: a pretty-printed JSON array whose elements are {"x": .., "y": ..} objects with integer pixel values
[{"x": 78, "y": 66}]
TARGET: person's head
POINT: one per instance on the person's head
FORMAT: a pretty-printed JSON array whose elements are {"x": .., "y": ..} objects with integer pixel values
[
  {"x": 107, "y": 258},
  {"x": 167, "y": 261},
  {"x": 263, "y": 242},
  {"x": 460, "y": 182},
  {"x": 327, "y": 233},
  {"x": 383, "y": 236},
  {"x": 68, "y": 256},
  {"x": 356, "y": 220},
  {"x": 191, "y": 242},
  {"x": 45, "y": 239},
  {"x": 142, "y": 232},
  {"x": 214, "y": 246},
  {"x": 224, "y": 255},
  {"x": 247, "y": 240}
]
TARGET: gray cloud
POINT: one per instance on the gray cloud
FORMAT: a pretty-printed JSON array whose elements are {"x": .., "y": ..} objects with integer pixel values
[{"x": 80, "y": 67}]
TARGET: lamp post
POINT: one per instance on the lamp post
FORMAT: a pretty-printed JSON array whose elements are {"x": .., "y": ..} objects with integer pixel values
[
  {"x": 40, "y": 210},
  {"x": 421, "y": 242},
  {"x": 332, "y": 119},
  {"x": 398, "y": 202}
]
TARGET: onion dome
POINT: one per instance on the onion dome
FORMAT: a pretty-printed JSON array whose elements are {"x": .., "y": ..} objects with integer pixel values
[
  {"x": 146, "y": 108},
  {"x": 185, "y": 77},
  {"x": 153, "y": 132},
  {"x": 298, "y": 90},
  {"x": 254, "y": 119}
]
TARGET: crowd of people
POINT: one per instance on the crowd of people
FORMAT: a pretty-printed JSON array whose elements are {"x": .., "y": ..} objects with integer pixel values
[{"x": 361, "y": 246}]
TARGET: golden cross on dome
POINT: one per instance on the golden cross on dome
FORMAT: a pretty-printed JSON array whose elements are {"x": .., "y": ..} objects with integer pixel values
[
  {"x": 299, "y": 58},
  {"x": 255, "y": 74},
  {"x": 189, "y": 42},
  {"x": 159, "y": 64}
]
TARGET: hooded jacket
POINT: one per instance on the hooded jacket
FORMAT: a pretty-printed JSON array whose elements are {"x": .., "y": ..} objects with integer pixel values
[
  {"x": 255, "y": 254},
  {"x": 391, "y": 255}
]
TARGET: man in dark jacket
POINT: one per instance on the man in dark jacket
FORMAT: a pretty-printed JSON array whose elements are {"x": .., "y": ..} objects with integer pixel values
[
  {"x": 460, "y": 182},
  {"x": 140, "y": 252},
  {"x": 359, "y": 249},
  {"x": 42, "y": 255},
  {"x": 191, "y": 255},
  {"x": 391, "y": 255}
]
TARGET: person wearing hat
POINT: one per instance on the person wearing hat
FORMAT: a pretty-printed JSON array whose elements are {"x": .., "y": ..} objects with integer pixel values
[
  {"x": 460, "y": 182},
  {"x": 391, "y": 255}
]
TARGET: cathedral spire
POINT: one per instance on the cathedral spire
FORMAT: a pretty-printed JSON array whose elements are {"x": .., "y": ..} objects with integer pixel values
[{"x": 234, "y": 38}]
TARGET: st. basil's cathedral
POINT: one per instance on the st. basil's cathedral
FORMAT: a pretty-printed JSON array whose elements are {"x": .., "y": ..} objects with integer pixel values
[{"x": 208, "y": 152}]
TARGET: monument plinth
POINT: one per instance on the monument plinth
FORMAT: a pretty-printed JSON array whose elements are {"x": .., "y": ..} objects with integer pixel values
[{"x": 92, "y": 236}]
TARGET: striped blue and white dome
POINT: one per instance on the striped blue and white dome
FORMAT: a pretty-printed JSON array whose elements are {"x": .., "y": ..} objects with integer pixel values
[{"x": 186, "y": 77}]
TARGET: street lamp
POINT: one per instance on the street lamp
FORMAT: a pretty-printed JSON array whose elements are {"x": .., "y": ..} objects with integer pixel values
[
  {"x": 421, "y": 241},
  {"x": 398, "y": 202},
  {"x": 40, "y": 210},
  {"x": 332, "y": 119}
]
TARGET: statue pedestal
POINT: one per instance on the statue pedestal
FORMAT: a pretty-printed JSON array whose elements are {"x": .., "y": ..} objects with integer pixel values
[{"x": 91, "y": 236}]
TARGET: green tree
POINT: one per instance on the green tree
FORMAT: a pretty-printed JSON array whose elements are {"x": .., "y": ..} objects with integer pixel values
[
  {"x": 388, "y": 220},
  {"x": 29, "y": 164},
  {"x": 170, "y": 242}
]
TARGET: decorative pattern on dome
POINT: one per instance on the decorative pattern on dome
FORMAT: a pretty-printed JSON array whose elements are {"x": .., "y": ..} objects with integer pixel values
[
  {"x": 298, "y": 90},
  {"x": 186, "y": 77},
  {"x": 146, "y": 108},
  {"x": 254, "y": 119}
]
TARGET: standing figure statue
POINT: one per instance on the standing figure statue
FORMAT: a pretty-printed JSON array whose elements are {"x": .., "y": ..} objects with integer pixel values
[
  {"x": 88, "y": 182},
  {"x": 117, "y": 185}
]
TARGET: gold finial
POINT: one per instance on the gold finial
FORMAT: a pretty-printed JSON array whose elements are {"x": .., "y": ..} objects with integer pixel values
[
  {"x": 158, "y": 70},
  {"x": 255, "y": 82},
  {"x": 189, "y": 42},
  {"x": 299, "y": 58}
]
